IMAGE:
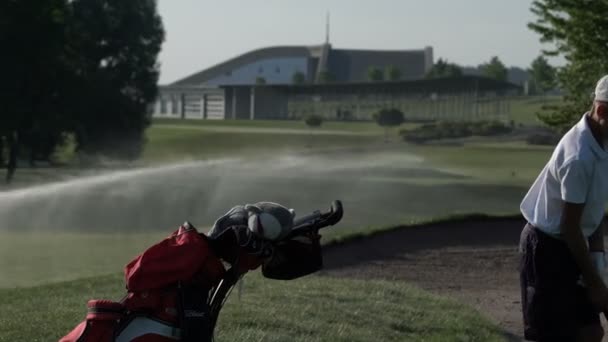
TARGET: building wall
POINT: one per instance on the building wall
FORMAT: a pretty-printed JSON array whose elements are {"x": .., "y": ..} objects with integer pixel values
[
  {"x": 462, "y": 105},
  {"x": 238, "y": 103},
  {"x": 270, "y": 103},
  {"x": 189, "y": 103},
  {"x": 273, "y": 70}
]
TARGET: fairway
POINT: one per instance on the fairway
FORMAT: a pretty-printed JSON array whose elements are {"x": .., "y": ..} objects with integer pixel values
[
  {"x": 524, "y": 109},
  {"x": 91, "y": 226},
  {"x": 381, "y": 185}
]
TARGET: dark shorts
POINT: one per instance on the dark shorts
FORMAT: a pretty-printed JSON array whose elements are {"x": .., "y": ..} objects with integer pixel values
[{"x": 555, "y": 306}]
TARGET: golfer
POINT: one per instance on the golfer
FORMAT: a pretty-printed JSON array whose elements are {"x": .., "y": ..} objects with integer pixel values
[{"x": 562, "y": 246}]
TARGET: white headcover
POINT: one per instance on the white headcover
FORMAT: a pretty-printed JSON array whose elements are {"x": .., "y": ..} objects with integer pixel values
[{"x": 269, "y": 220}]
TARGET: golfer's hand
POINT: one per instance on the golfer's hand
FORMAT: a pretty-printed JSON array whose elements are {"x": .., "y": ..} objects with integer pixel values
[{"x": 598, "y": 293}]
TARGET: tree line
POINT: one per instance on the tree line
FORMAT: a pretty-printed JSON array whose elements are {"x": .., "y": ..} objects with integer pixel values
[
  {"x": 79, "y": 70},
  {"x": 542, "y": 76},
  {"x": 573, "y": 29}
]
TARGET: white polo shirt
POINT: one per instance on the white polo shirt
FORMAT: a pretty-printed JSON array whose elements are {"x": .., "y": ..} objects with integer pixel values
[{"x": 576, "y": 173}]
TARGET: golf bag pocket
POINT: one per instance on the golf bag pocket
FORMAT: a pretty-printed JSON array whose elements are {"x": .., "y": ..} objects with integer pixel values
[
  {"x": 294, "y": 258},
  {"x": 102, "y": 319}
]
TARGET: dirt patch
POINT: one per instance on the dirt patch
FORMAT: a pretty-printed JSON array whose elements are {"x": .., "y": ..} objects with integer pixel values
[{"x": 474, "y": 261}]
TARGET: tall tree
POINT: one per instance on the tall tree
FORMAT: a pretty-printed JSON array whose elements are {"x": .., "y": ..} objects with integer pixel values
[
  {"x": 574, "y": 29},
  {"x": 34, "y": 35},
  {"x": 392, "y": 73},
  {"x": 542, "y": 74},
  {"x": 495, "y": 69},
  {"x": 442, "y": 68},
  {"x": 375, "y": 74},
  {"x": 116, "y": 73}
]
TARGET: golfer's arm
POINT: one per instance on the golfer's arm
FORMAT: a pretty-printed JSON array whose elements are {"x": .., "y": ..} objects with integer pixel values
[
  {"x": 596, "y": 241},
  {"x": 574, "y": 238}
]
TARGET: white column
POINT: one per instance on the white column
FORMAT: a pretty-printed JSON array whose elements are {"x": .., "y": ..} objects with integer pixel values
[
  {"x": 233, "y": 103},
  {"x": 170, "y": 106},
  {"x": 157, "y": 107},
  {"x": 252, "y": 104},
  {"x": 202, "y": 108}
]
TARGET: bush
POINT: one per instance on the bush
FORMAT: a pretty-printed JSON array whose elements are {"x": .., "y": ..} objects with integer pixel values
[
  {"x": 550, "y": 139},
  {"x": 313, "y": 120},
  {"x": 454, "y": 129},
  {"x": 489, "y": 128},
  {"x": 389, "y": 117}
]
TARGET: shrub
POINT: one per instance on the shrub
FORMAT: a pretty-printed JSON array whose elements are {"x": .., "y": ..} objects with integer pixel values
[
  {"x": 454, "y": 129},
  {"x": 544, "y": 138}
]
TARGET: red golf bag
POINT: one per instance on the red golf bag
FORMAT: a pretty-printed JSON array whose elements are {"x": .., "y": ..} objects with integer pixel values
[
  {"x": 176, "y": 288},
  {"x": 167, "y": 294}
]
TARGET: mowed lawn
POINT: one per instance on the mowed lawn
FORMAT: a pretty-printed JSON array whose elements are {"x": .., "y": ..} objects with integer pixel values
[
  {"x": 377, "y": 192},
  {"x": 524, "y": 110},
  {"x": 480, "y": 177},
  {"x": 179, "y": 142},
  {"x": 309, "y": 309},
  {"x": 346, "y": 126}
]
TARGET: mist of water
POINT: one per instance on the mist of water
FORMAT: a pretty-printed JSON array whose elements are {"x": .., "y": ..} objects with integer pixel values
[{"x": 163, "y": 197}]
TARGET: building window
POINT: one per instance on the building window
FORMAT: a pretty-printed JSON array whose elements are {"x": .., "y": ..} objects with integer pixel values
[
  {"x": 278, "y": 70},
  {"x": 228, "y": 73},
  {"x": 261, "y": 70}
]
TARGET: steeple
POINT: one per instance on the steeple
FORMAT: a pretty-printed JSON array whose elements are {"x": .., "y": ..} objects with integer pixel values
[{"x": 327, "y": 22}]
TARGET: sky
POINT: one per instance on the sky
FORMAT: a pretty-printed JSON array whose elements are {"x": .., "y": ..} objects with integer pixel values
[{"x": 202, "y": 33}]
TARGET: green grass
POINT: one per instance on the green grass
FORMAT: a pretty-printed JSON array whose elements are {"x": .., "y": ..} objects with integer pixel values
[
  {"x": 355, "y": 126},
  {"x": 312, "y": 308},
  {"x": 38, "y": 258},
  {"x": 524, "y": 109},
  {"x": 504, "y": 164},
  {"x": 168, "y": 143},
  {"x": 492, "y": 179}
]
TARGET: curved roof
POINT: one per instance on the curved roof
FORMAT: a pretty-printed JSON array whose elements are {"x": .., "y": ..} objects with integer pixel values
[
  {"x": 249, "y": 57},
  {"x": 345, "y": 65}
]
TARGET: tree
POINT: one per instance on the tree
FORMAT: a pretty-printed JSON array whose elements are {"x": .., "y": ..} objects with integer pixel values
[
  {"x": 542, "y": 75},
  {"x": 33, "y": 74},
  {"x": 260, "y": 80},
  {"x": 326, "y": 77},
  {"x": 118, "y": 43},
  {"x": 81, "y": 68},
  {"x": 392, "y": 73},
  {"x": 573, "y": 30},
  {"x": 388, "y": 118},
  {"x": 495, "y": 69},
  {"x": 442, "y": 68},
  {"x": 298, "y": 78},
  {"x": 1, "y": 151},
  {"x": 375, "y": 74}
]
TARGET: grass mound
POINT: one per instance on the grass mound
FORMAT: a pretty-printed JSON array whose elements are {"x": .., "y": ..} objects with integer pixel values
[{"x": 309, "y": 309}]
